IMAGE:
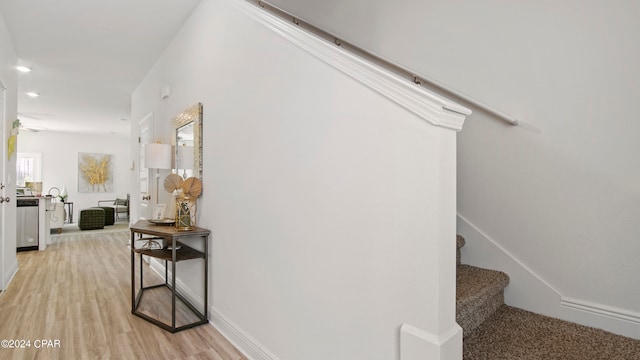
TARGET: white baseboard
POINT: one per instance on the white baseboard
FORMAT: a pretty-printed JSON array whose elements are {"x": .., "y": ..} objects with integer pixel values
[
  {"x": 618, "y": 321},
  {"x": 601, "y": 310},
  {"x": 11, "y": 273},
  {"x": 504, "y": 251},
  {"x": 240, "y": 339},
  {"x": 236, "y": 336},
  {"x": 529, "y": 291},
  {"x": 416, "y": 343}
]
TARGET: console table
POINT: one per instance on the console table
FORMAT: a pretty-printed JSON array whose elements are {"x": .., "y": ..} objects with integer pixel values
[{"x": 163, "y": 238}]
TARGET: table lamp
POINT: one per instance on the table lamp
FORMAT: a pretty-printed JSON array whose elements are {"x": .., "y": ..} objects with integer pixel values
[{"x": 157, "y": 156}]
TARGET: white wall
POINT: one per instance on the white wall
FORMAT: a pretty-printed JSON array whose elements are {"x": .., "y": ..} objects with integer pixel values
[
  {"x": 60, "y": 163},
  {"x": 561, "y": 192},
  {"x": 8, "y": 61},
  {"x": 332, "y": 207}
]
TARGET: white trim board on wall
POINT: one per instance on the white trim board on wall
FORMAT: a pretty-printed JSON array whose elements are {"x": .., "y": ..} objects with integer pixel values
[
  {"x": 529, "y": 291},
  {"x": 238, "y": 338},
  {"x": 602, "y": 310},
  {"x": 11, "y": 273},
  {"x": 429, "y": 106}
]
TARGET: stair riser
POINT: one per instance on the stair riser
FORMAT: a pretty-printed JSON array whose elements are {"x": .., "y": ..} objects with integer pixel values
[
  {"x": 474, "y": 315},
  {"x": 479, "y": 292}
]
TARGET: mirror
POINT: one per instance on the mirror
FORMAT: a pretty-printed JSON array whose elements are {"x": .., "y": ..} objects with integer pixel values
[{"x": 188, "y": 142}]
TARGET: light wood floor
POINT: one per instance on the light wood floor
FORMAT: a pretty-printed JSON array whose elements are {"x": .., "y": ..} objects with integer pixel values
[{"x": 78, "y": 291}]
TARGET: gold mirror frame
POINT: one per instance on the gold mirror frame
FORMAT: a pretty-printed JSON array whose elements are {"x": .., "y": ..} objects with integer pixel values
[{"x": 191, "y": 115}]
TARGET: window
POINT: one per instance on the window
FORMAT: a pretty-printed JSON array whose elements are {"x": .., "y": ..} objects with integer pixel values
[{"x": 28, "y": 167}]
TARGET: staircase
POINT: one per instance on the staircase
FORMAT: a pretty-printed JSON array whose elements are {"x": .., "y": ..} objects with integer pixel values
[
  {"x": 479, "y": 292},
  {"x": 511, "y": 333}
]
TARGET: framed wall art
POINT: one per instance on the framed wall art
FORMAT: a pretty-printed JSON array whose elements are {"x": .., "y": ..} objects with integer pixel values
[{"x": 95, "y": 173}]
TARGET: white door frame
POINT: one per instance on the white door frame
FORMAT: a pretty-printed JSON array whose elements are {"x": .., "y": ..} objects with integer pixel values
[
  {"x": 4, "y": 282},
  {"x": 145, "y": 134}
]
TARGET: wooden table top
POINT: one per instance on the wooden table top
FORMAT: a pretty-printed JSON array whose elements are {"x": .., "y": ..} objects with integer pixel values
[{"x": 146, "y": 227}]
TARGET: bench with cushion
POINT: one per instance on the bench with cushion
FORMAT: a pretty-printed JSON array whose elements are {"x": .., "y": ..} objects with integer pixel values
[
  {"x": 91, "y": 218},
  {"x": 109, "y": 215}
]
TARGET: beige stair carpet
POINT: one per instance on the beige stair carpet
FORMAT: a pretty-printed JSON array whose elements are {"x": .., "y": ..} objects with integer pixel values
[{"x": 512, "y": 333}]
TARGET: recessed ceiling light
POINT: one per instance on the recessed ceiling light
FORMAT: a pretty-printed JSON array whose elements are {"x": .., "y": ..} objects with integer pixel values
[
  {"x": 33, "y": 94},
  {"x": 23, "y": 69}
]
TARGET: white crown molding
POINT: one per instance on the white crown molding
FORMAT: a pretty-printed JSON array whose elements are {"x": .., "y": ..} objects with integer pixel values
[{"x": 429, "y": 106}]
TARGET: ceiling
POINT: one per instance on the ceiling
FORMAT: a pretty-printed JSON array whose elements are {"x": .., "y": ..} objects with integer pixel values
[{"x": 87, "y": 57}]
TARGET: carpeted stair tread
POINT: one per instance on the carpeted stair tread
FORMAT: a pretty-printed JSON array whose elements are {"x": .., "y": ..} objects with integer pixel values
[
  {"x": 479, "y": 293},
  {"x": 473, "y": 282},
  {"x": 513, "y": 333}
]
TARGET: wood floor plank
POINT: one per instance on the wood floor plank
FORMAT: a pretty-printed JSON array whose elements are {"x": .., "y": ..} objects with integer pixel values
[{"x": 77, "y": 292}]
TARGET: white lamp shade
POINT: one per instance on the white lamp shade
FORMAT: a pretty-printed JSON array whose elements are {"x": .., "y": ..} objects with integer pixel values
[
  {"x": 157, "y": 156},
  {"x": 185, "y": 157}
]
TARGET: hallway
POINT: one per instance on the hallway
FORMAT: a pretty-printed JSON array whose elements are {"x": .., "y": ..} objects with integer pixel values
[{"x": 77, "y": 294}]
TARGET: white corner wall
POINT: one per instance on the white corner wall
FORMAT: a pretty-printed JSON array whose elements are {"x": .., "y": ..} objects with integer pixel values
[
  {"x": 332, "y": 207},
  {"x": 60, "y": 163},
  {"x": 8, "y": 77}
]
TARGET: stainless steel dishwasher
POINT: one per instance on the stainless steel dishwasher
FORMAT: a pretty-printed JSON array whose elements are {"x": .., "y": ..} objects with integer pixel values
[{"x": 27, "y": 227}]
